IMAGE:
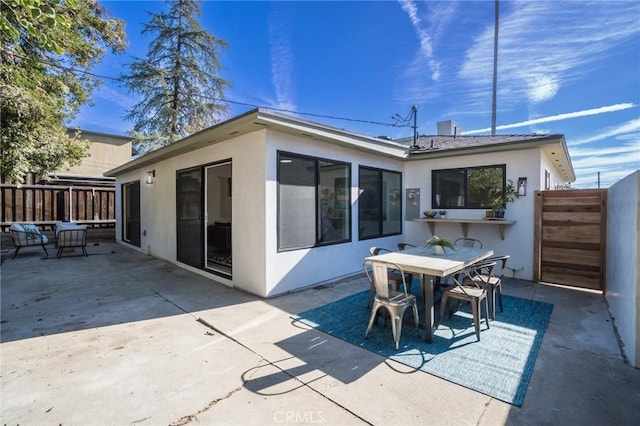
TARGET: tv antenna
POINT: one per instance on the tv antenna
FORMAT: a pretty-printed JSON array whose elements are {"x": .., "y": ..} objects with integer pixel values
[{"x": 404, "y": 120}]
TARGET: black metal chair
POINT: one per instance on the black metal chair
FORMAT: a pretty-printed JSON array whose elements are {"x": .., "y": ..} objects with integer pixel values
[
  {"x": 27, "y": 235},
  {"x": 72, "y": 238},
  {"x": 402, "y": 246}
]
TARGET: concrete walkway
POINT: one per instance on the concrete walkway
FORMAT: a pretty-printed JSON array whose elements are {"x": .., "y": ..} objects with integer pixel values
[{"x": 122, "y": 338}]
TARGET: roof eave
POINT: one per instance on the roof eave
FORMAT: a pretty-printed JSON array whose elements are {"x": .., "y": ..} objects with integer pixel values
[
  {"x": 333, "y": 135},
  {"x": 565, "y": 168},
  {"x": 260, "y": 119}
]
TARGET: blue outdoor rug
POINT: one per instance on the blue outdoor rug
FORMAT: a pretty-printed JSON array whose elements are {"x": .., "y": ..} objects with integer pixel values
[{"x": 499, "y": 365}]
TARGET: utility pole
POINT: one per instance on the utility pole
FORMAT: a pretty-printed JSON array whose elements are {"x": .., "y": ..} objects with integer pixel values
[
  {"x": 405, "y": 120},
  {"x": 414, "y": 111},
  {"x": 495, "y": 69}
]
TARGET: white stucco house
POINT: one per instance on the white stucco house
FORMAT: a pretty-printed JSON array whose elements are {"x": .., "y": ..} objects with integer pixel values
[{"x": 271, "y": 203}]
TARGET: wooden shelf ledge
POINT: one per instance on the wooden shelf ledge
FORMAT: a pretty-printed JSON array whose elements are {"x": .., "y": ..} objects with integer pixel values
[{"x": 464, "y": 224}]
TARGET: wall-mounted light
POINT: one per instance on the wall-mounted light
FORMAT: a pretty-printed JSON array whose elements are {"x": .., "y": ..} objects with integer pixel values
[
  {"x": 151, "y": 175},
  {"x": 522, "y": 186}
]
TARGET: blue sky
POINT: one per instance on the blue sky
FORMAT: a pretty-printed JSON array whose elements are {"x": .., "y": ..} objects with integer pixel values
[{"x": 569, "y": 67}]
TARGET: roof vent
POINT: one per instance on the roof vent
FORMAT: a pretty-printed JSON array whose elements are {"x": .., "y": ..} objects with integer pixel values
[{"x": 449, "y": 128}]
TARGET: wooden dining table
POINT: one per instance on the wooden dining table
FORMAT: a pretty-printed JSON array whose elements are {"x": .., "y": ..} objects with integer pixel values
[{"x": 424, "y": 262}]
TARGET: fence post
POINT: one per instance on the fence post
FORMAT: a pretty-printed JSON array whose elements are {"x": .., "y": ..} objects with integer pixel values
[{"x": 70, "y": 204}]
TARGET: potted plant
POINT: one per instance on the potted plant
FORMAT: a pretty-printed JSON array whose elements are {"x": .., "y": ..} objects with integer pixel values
[
  {"x": 442, "y": 213},
  {"x": 502, "y": 197},
  {"x": 439, "y": 244}
]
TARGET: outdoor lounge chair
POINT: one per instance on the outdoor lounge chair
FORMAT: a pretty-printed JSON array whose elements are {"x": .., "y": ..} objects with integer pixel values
[
  {"x": 71, "y": 236},
  {"x": 395, "y": 302},
  {"x": 27, "y": 235},
  {"x": 467, "y": 287}
]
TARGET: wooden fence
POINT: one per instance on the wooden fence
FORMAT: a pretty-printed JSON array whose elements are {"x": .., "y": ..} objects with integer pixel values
[{"x": 43, "y": 205}]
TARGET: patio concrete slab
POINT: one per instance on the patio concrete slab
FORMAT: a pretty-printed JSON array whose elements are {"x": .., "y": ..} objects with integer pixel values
[{"x": 123, "y": 338}]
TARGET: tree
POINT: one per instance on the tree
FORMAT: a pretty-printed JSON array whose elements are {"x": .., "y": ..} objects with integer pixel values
[
  {"x": 47, "y": 48},
  {"x": 178, "y": 80}
]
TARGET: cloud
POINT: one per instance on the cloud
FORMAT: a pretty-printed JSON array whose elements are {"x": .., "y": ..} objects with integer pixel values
[
  {"x": 282, "y": 59},
  {"x": 558, "y": 117},
  {"x": 628, "y": 130},
  {"x": 629, "y": 148},
  {"x": 606, "y": 169},
  {"x": 94, "y": 119},
  {"x": 604, "y": 177},
  {"x": 542, "y": 88},
  {"x": 426, "y": 48},
  {"x": 607, "y": 163},
  {"x": 543, "y": 46},
  {"x": 114, "y": 96},
  {"x": 423, "y": 78},
  {"x": 628, "y": 158}
]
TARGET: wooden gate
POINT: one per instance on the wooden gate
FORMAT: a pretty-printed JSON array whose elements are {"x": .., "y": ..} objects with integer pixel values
[{"x": 570, "y": 236}]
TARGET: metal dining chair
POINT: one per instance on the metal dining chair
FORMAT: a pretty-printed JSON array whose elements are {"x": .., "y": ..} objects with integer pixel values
[
  {"x": 468, "y": 242},
  {"x": 492, "y": 280},
  {"x": 395, "y": 302},
  {"x": 402, "y": 246},
  {"x": 395, "y": 278},
  {"x": 468, "y": 287},
  {"x": 460, "y": 242}
]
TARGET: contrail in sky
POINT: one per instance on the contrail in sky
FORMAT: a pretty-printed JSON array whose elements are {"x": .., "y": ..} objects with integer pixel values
[
  {"x": 559, "y": 117},
  {"x": 282, "y": 59},
  {"x": 425, "y": 40}
]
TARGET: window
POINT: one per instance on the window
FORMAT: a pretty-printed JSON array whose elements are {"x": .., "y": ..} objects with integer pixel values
[
  {"x": 379, "y": 203},
  {"x": 470, "y": 188},
  {"x": 314, "y": 201}
]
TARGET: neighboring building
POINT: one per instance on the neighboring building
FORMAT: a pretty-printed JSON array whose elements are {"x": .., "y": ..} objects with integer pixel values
[
  {"x": 106, "y": 152},
  {"x": 81, "y": 193},
  {"x": 270, "y": 203}
]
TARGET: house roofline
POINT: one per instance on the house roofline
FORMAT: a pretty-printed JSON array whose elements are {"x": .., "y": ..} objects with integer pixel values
[
  {"x": 108, "y": 138},
  {"x": 255, "y": 120},
  {"x": 545, "y": 142},
  {"x": 260, "y": 118}
]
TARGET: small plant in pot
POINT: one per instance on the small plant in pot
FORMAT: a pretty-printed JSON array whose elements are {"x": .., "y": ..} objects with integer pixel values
[
  {"x": 502, "y": 197},
  {"x": 439, "y": 244},
  {"x": 442, "y": 213}
]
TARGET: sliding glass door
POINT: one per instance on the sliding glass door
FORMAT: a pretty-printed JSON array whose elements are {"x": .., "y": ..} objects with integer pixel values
[
  {"x": 131, "y": 213},
  {"x": 218, "y": 203},
  {"x": 203, "y": 196},
  {"x": 190, "y": 217}
]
